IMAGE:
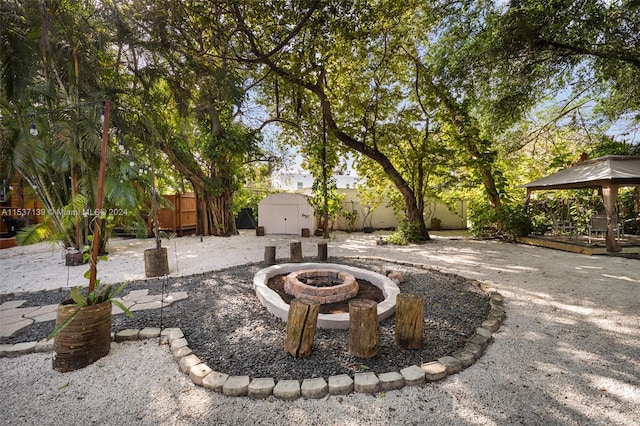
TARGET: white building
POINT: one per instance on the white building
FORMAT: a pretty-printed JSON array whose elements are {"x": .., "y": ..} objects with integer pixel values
[{"x": 291, "y": 181}]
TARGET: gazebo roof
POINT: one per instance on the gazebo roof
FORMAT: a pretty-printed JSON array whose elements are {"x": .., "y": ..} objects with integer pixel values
[{"x": 609, "y": 170}]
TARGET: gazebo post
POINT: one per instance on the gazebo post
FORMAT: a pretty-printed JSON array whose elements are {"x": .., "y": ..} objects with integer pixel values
[{"x": 610, "y": 198}]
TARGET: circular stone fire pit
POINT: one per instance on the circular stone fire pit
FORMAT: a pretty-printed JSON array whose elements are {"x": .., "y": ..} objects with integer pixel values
[
  {"x": 278, "y": 307},
  {"x": 321, "y": 285}
]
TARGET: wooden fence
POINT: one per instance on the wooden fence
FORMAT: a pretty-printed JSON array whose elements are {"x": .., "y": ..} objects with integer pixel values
[{"x": 183, "y": 218}]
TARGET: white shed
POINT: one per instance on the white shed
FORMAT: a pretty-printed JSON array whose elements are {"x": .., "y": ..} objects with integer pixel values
[{"x": 285, "y": 213}]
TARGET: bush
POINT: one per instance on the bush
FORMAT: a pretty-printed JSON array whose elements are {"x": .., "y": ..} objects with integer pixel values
[
  {"x": 509, "y": 221},
  {"x": 405, "y": 233}
]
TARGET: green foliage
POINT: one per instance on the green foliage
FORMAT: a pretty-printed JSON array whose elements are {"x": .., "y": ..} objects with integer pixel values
[
  {"x": 406, "y": 233},
  {"x": 510, "y": 221},
  {"x": 333, "y": 199},
  {"x": 100, "y": 294},
  {"x": 352, "y": 217}
]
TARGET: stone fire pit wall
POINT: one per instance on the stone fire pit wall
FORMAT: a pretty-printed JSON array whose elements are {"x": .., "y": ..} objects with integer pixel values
[
  {"x": 274, "y": 303},
  {"x": 345, "y": 288}
]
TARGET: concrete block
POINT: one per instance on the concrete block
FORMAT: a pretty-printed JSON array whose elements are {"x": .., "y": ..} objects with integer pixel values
[
  {"x": 287, "y": 390},
  {"x": 366, "y": 383},
  {"x": 314, "y": 388},
  {"x": 340, "y": 385},
  {"x": 215, "y": 381},
  {"x": 261, "y": 388},
  {"x": 391, "y": 380},
  {"x": 236, "y": 386},
  {"x": 413, "y": 375}
]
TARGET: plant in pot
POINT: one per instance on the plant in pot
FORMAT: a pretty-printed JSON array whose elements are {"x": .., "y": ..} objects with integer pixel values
[{"x": 83, "y": 323}]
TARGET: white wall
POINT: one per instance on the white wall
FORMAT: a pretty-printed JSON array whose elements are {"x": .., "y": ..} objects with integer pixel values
[{"x": 383, "y": 216}]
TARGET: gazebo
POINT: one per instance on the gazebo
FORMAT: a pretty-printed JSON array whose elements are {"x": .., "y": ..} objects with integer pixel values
[{"x": 606, "y": 173}]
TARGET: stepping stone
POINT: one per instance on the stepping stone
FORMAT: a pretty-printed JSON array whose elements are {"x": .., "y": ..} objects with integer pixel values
[
  {"x": 44, "y": 313},
  {"x": 366, "y": 382},
  {"x": 391, "y": 380},
  {"x": 413, "y": 375},
  {"x": 44, "y": 345},
  {"x": 341, "y": 384},
  {"x": 21, "y": 349},
  {"x": 174, "y": 297},
  {"x": 8, "y": 329},
  {"x": 4, "y": 349},
  {"x": 287, "y": 390},
  {"x": 261, "y": 388},
  {"x": 215, "y": 381},
  {"x": 145, "y": 306},
  {"x": 236, "y": 386},
  {"x": 12, "y": 304},
  {"x": 314, "y": 388},
  {"x": 133, "y": 294}
]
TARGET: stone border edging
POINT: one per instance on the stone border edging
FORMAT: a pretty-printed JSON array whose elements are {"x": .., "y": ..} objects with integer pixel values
[{"x": 313, "y": 388}]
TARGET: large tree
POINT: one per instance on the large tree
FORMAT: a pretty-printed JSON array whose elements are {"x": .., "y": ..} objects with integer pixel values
[{"x": 189, "y": 101}]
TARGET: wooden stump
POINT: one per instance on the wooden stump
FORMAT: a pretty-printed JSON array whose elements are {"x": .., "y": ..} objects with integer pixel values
[
  {"x": 322, "y": 251},
  {"x": 409, "y": 320},
  {"x": 364, "y": 328},
  {"x": 270, "y": 255},
  {"x": 301, "y": 327},
  {"x": 296, "y": 251},
  {"x": 260, "y": 231},
  {"x": 156, "y": 262},
  {"x": 305, "y": 232}
]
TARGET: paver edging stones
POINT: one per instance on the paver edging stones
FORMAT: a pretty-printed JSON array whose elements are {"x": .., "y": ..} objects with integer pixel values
[{"x": 342, "y": 384}]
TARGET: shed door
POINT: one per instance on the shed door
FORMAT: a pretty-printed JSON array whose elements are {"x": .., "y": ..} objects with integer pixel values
[{"x": 286, "y": 219}]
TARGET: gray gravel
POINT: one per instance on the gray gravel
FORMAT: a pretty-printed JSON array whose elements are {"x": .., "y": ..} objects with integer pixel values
[
  {"x": 229, "y": 330},
  {"x": 568, "y": 354}
]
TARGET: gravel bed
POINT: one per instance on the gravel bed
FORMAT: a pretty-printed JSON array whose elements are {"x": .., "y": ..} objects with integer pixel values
[{"x": 228, "y": 328}]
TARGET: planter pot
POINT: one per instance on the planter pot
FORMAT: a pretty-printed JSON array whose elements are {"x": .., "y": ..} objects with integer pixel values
[
  {"x": 85, "y": 339},
  {"x": 156, "y": 262}
]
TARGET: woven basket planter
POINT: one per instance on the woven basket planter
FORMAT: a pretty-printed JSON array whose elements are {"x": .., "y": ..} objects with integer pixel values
[{"x": 85, "y": 339}]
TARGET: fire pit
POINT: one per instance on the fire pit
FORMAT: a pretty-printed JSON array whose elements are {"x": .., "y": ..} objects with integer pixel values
[
  {"x": 274, "y": 303},
  {"x": 321, "y": 285}
]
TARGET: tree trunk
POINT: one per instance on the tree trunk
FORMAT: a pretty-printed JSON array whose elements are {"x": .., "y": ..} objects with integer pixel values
[
  {"x": 322, "y": 251},
  {"x": 296, "y": 251},
  {"x": 301, "y": 327},
  {"x": 364, "y": 328},
  {"x": 414, "y": 215},
  {"x": 270, "y": 255},
  {"x": 409, "y": 320}
]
